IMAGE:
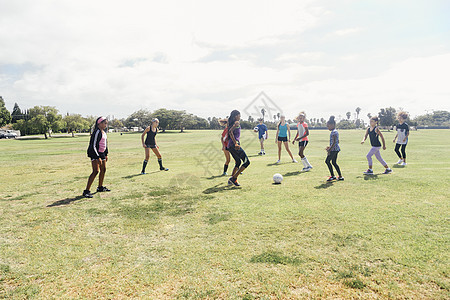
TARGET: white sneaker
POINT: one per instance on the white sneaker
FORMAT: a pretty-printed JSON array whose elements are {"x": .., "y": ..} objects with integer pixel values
[
  {"x": 278, "y": 161},
  {"x": 403, "y": 163},
  {"x": 400, "y": 161},
  {"x": 294, "y": 161}
]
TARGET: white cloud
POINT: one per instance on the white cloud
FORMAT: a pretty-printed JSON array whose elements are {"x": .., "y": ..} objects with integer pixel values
[{"x": 114, "y": 57}]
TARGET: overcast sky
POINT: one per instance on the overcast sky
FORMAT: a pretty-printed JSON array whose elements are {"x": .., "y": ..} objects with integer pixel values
[{"x": 209, "y": 57}]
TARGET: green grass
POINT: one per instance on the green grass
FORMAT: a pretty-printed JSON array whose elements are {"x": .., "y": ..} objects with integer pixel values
[{"x": 184, "y": 234}]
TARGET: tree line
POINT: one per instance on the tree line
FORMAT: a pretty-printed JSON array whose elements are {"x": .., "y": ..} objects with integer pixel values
[{"x": 47, "y": 120}]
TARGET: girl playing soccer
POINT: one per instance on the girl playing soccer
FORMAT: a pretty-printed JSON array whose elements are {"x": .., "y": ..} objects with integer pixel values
[
  {"x": 373, "y": 132},
  {"x": 402, "y": 137},
  {"x": 98, "y": 153},
  {"x": 283, "y": 131},
  {"x": 150, "y": 143},
  {"x": 224, "y": 141},
  {"x": 302, "y": 137},
  {"x": 234, "y": 146},
  {"x": 263, "y": 134},
  {"x": 333, "y": 150}
]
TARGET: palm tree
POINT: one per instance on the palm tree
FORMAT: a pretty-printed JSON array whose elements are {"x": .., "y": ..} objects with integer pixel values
[
  {"x": 358, "y": 110},
  {"x": 263, "y": 112},
  {"x": 349, "y": 114},
  {"x": 369, "y": 115}
]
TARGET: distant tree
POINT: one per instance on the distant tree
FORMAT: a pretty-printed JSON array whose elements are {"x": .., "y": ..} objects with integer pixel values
[
  {"x": 387, "y": 116},
  {"x": 165, "y": 118},
  {"x": 345, "y": 124},
  {"x": 16, "y": 114},
  {"x": 5, "y": 116},
  {"x": 369, "y": 115},
  {"x": 278, "y": 116},
  {"x": 348, "y": 114},
  {"x": 141, "y": 118},
  {"x": 358, "y": 110},
  {"x": 251, "y": 119},
  {"x": 263, "y": 113},
  {"x": 437, "y": 118},
  {"x": 45, "y": 119},
  {"x": 115, "y": 124},
  {"x": 76, "y": 122}
]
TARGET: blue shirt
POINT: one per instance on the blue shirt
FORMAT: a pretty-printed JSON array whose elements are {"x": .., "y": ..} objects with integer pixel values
[
  {"x": 336, "y": 147},
  {"x": 262, "y": 128},
  {"x": 282, "y": 130}
]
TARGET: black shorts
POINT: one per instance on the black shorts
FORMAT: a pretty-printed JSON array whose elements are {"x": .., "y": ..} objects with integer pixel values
[
  {"x": 150, "y": 146},
  {"x": 303, "y": 143},
  {"x": 101, "y": 155},
  {"x": 282, "y": 139}
]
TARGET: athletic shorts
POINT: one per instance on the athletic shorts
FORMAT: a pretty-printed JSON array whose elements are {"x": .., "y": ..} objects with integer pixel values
[
  {"x": 101, "y": 155},
  {"x": 150, "y": 146},
  {"x": 282, "y": 139},
  {"x": 303, "y": 143}
]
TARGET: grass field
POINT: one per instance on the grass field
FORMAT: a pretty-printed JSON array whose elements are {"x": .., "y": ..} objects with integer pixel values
[{"x": 184, "y": 234}]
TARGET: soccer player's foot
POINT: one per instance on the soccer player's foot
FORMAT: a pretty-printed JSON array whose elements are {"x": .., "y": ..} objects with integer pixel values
[
  {"x": 229, "y": 181},
  {"x": 143, "y": 173},
  {"x": 403, "y": 163},
  {"x": 340, "y": 178},
  {"x": 331, "y": 178},
  {"x": 224, "y": 174},
  {"x": 368, "y": 172},
  {"x": 260, "y": 153},
  {"x": 387, "y": 171},
  {"x": 400, "y": 161},
  {"x": 234, "y": 181},
  {"x": 103, "y": 189},
  {"x": 87, "y": 194},
  {"x": 278, "y": 161},
  {"x": 294, "y": 161},
  {"x": 264, "y": 153},
  {"x": 163, "y": 169}
]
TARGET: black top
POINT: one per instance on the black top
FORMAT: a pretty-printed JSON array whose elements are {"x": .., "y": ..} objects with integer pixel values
[
  {"x": 150, "y": 140},
  {"x": 373, "y": 135},
  {"x": 94, "y": 144}
]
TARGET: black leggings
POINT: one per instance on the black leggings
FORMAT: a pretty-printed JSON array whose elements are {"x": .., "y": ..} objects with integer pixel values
[
  {"x": 397, "y": 150},
  {"x": 331, "y": 158},
  {"x": 239, "y": 155}
]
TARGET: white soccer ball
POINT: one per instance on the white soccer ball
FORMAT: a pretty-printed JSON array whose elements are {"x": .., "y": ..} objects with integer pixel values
[
  {"x": 255, "y": 129},
  {"x": 277, "y": 178}
]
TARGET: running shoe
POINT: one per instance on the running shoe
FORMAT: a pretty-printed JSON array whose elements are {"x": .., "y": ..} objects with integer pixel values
[
  {"x": 230, "y": 182},
  {"x": 368, "y": 172},
  {"x": 224, "y": 174},
  {"x": 387, "y": 171},
  {"x": 278, "y": 161},
  {"x": 331, "y": 178},
  {"x": 163, "y": 169},
  {"x": 234, "y": 182},
  {"x": 103, "y": 189},
  {"x": 260, "y": 153},
  {"x": 87, "y": 194},
  {"x": 294, "y": 161},
  {"x": 403, "y": 164},
  {"x": 143, "y": 173},
  {"x": 340, "y": 178},
  {"x": 400, "y": 161}
]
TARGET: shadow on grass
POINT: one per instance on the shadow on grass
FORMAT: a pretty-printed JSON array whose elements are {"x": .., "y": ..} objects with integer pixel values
[
  {"x": 398, "y": 166},
  {"x": 221, "y": 187},
  {"x": 66, "y": 201},
  {"x": 139, "y": 174},
  {"x": 370, "y": 177},
  {"x": 215, "y": 176},
  {"x": 324, "y": 185},
  {"x": 292, "y": 173}
]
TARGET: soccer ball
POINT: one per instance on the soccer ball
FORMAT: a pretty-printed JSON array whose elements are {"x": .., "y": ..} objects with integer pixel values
[
  {"x": 255, "y": 129},
  {"x": 277, "y": 178}
]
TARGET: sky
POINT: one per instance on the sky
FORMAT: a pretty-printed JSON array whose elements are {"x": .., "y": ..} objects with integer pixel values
[{"x": 209, "y": 57}]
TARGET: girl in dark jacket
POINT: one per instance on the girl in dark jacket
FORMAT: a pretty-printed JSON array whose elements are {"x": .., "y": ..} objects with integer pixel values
[{"x": 98, "y": 153}]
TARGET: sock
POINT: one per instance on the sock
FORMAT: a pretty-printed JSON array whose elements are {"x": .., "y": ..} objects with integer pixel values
[
  {"x": 304, "y": 163},
  {"x": 160, "y": 163},
  {"x": 144, "y": 165},
  {"x": 307, "y": 162},
  {"x": 225, "y": 168}
]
